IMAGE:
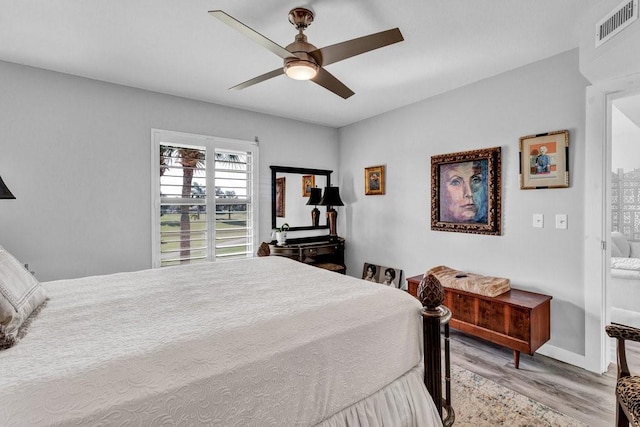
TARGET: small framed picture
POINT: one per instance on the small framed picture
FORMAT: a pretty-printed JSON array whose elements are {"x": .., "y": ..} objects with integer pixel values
[
  {"x": 281, "y": 192},
  {"x": 466, "y": 191},
  {"x": 374, "y": 180},
  {"x": 370, "y": 272},
  {"x": 308, "y": 182},
  {"x": 544, "y": 160},
  {"x": 389, "y": 276}
]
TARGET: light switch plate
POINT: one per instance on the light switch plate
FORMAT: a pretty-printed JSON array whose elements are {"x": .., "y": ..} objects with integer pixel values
[
  {"x": 538, "y": 220},
  {"x": 561, "y": 221}
]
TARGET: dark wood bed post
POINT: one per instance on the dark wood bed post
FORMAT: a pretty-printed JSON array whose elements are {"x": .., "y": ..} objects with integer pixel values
[{"x": 434, "y": 315}]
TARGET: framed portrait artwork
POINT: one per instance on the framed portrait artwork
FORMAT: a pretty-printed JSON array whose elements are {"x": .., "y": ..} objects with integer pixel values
[
  {"x": 281, "y": 192},
  {"x": 374, "y": 180},
  {"x": 544, "y": 160},
  {"x": 466, "y": 191},
  {"x": 389, "y": 276},
  {"x": 308, "y": 182}
]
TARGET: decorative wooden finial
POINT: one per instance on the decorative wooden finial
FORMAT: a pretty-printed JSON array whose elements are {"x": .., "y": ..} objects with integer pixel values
[{"x": 431, "y": 292}]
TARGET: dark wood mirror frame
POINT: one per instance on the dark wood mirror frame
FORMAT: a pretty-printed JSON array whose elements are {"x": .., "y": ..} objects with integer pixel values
[{"x": 301, "y": 171}]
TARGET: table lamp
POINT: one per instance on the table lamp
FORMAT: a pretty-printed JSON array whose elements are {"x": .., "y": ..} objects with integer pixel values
[
  {"x": 314, "y": 199},
  {"x": 330, "y": 198}
]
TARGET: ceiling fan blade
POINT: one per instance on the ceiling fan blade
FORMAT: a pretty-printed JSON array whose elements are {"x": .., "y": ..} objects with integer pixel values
[
  {"x": 266, "y": 76},
  {"x": 339, "y": 51},
  {"x": 328, "y": 81},
  {"x": 252, "y": 34}
]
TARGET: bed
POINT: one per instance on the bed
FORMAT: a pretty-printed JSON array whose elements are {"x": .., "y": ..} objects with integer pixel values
[
  {"x": 624, "y": 291},
  {"x": 624, "y": 285},
  {"x": 253, "y": 342}
]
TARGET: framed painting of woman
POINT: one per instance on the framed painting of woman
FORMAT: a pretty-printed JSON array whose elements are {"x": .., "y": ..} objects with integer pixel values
[{"x": 466, "y": 191}]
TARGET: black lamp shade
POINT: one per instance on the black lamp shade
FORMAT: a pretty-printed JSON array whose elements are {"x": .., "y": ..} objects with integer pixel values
[
  {"x": 331, "y": 197},
  {"x": 4, "y": 191},
  {"x": 316, "y": 196}
]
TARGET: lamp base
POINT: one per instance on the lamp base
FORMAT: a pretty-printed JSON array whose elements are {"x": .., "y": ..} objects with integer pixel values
[
  {"x": 332, "y": 215},
  {"x": 315, "y": 217}
]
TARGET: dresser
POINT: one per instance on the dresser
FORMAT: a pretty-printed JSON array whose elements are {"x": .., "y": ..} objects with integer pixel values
[
  {"x": 518, "y": 320},
  {"x": 321, "y": 251}
]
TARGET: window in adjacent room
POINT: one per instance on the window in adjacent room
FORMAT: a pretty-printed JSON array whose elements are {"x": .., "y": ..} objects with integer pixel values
[{"x": 203, "y": 192}]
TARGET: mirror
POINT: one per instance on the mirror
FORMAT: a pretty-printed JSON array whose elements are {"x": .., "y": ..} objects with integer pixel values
[{"x": 290, "y": 193}]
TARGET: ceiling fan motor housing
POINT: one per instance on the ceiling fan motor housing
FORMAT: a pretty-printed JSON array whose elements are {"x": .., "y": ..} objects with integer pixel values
[
  {"x": 300, "y": 17},
  {"x": 301, "y": 48}
]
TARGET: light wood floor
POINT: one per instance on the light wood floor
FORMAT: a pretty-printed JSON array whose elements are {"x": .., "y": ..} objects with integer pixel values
[{"x": 585, "y": 396}]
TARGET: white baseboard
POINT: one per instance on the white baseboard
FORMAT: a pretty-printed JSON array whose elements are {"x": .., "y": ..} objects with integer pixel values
[{"x": 566, "y": 356}]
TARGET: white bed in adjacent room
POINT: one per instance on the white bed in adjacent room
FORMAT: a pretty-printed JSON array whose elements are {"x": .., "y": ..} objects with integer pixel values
[
  {"x": 261, "y": 341},
  {"x": 624, "y": 291},
  {"x": 624, "y": 284}
]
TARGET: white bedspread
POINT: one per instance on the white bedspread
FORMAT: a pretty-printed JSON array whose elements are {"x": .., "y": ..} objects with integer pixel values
[
  {"x": 626, "y": 264},
  {"x": 263, "y": 341}
]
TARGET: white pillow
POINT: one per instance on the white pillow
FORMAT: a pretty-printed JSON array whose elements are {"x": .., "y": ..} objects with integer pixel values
[
  {"x": 20, "y": 295},
  {"x": 621, "y": 243},
  {"x": 615, "y": 252}
]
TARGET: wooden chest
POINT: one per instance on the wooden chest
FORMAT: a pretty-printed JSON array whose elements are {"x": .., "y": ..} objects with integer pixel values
[{"x": 519, "y": 320}]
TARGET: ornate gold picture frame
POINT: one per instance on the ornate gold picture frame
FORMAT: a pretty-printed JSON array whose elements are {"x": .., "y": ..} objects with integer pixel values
[
  {"x": 374, "y": 180},
  {"x": 308, "y": 182},
  {"x": 466, "y": 191}
]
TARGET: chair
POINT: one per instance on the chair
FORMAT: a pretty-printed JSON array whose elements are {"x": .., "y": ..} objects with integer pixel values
[{"x": 627, "y": 385}]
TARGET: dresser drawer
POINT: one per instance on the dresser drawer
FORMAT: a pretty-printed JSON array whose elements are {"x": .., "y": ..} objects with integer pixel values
[
  {"x": 284, "y": 251},
  {"x": 319, "y": 250}
]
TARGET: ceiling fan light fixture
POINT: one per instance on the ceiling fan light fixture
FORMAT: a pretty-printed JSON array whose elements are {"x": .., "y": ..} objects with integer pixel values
[
  {"x": 302, "y": 60},
  {"x": 300, "y": 69}
]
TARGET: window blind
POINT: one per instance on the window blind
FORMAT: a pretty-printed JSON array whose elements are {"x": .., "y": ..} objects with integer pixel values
[{"x": 205, "y": 208}]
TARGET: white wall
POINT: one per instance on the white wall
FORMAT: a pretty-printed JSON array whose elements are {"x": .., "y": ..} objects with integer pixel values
[
  {"x": 76, "y": 154},
  {"x": 394, "y": 229},
  {"x": 625, "y": 138}
]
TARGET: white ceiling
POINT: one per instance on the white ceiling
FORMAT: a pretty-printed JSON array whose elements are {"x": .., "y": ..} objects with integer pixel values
[{"x": 176, "y": 47}]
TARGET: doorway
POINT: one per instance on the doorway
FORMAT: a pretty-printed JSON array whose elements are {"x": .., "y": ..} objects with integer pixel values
[
  {"x": 622, "y": 282},
  {"x": 597, "y": 221}
]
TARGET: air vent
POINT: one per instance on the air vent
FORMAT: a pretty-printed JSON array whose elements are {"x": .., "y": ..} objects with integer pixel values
[{"x": 616, "y": 20}]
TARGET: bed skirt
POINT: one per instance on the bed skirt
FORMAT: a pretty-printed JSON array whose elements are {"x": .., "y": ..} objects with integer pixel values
[{"x": 403, "y": 403}]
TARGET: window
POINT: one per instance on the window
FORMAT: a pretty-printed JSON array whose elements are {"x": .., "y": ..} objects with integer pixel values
[{"x": 203, "y": 192}]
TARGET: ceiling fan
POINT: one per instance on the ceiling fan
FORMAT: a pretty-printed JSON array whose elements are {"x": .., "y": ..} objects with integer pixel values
[{"x": 304, "y": 61}]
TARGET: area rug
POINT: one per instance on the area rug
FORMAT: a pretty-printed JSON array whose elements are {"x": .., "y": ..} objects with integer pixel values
[{"x": 478, "y": 401}]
